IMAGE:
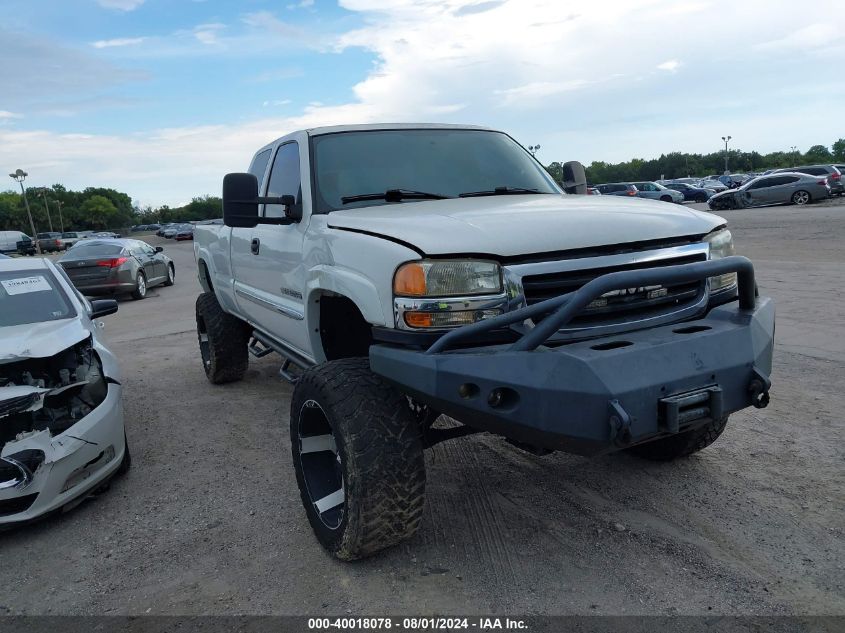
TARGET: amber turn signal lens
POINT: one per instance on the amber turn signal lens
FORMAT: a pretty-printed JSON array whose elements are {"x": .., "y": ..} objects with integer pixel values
[
  {"x": 419, "y": 319},
  {"x": 409, "y": 280}
]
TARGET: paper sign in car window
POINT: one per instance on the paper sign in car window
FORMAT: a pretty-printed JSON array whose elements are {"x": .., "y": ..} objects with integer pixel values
[{"x": 24, "y": 285}]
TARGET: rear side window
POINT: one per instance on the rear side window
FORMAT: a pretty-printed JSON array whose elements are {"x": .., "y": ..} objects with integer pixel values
[
  {"x": 284, "y": 179},
  {"x": 259, "y": 165},
  {"x": 815, "y": 171}
]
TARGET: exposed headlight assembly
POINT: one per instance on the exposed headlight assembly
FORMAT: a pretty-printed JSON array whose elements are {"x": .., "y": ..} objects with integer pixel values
[
  {"x": 438, "y": 294},
  {"x": 721, "y": 245}
]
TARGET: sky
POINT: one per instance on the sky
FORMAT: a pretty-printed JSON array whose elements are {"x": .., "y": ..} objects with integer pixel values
[{"x": 161, "y": 98}]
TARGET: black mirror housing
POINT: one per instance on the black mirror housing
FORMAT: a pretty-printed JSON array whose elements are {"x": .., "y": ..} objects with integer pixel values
[
  {"x": 159, "y": 249},
  {"x": 102, "y": 307},
  {"x": 240, "y": 200},
  {"x": 574, "y": 177}
]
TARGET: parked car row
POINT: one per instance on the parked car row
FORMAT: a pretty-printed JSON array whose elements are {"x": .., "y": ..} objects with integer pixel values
[
  {"x": 776, "y": 188},
  {"x": 643, "y": 189}
]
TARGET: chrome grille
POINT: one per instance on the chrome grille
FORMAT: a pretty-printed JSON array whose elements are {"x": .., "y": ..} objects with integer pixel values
[{"x": 618, "y": 306}]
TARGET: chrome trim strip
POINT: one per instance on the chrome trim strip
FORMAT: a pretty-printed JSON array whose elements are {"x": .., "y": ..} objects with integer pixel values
[
  {"x": 246, "y": 294},
  {"x": 401, "y": 305}
]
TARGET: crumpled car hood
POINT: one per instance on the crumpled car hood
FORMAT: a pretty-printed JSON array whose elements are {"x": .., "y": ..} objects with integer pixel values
[
  {"x": 40, "y": 340},
  {"x": 521, "y": 225}
]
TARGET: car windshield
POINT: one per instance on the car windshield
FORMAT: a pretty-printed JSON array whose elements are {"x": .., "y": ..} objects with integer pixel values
[
  {"x": 32, "y": 296},
  {"x": 442, "y": 162}
]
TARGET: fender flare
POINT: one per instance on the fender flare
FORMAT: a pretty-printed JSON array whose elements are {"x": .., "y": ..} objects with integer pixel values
[{"x": 347, "y": 283}]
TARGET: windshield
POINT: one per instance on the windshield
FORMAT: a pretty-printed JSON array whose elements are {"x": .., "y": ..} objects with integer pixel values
[
  {"x": 32, "y": 296},
  {"x": 435, "y": 161}
]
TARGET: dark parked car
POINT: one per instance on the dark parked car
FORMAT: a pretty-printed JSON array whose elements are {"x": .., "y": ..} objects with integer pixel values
[
  {"x": 691, "y": 193},
  {"x": 111, "y": 266},
  {"x": 50, "y": 242},
  {"x": 833, "y": 175},
  {"x": 26, "y": 246},
  {"x": 617, "y": 189},
  {"x": 184, "y": 233},
  {"x": 775, "y": 188}
]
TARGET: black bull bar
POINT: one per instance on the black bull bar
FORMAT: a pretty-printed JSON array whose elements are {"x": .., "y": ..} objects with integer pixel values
[{"x": 599, "y": 395}]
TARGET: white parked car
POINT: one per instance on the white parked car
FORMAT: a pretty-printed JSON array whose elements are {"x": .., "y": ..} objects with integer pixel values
[{"x": 61, "y": 414}]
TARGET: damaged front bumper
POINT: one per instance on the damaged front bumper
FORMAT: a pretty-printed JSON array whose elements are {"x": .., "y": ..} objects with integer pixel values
[
  {"x": 600, "y": 395},
  {"x": 62, "y": 430}
]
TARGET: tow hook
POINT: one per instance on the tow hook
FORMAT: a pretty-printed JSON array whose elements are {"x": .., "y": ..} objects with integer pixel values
[
  {"x": 759, "y": 390},
  {"x": 620, "y": 424}
]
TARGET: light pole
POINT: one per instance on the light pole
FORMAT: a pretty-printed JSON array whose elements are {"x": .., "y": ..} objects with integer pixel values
[
  {"x": 59, "y": 204},
  {"x": 794, "y": 149},
  {"x": 726, "y": 139},
  {"x": 43, "y": 194},
  {"x": 19, "y": 176},
  {"x": 533, "y": 149}
]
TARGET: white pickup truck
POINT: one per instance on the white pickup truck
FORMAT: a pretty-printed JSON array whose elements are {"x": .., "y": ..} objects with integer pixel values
[{"x": 408, "y": 271}]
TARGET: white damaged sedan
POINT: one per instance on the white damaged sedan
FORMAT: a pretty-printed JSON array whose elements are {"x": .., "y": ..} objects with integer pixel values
[{"x": 61, "y": 415}]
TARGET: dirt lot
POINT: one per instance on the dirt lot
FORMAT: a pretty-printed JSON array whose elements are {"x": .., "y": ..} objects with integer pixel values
[{"x": 209, "y": 521}]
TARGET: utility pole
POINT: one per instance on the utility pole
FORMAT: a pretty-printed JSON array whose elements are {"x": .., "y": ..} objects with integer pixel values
[
  {"x": 19, "y": 176},
  {"x": 533, "y": 149},
  {"x": 794, "y": 149},
  {"x": 43, "y": 194},
  {"x": 59, "y": 204},
  {"x": 726, "y": 139}
]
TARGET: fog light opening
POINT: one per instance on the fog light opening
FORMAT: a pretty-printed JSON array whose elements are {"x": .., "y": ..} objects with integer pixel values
[
  {"x": 468, "y": 390},
  {"x": 502, "y": 398}
]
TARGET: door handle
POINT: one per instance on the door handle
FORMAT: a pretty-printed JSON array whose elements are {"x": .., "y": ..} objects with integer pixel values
[{"x": 255, "y": 245}]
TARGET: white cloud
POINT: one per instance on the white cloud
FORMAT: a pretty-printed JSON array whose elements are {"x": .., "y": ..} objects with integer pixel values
[
  {"x": 585, "y": 86},
  {"x": 121, "y": 5},
  {"x": 303, "y": 4},
  {"x": 120, "y": 41},
  {"x": 671, "y": 65},
  {"x": 5, "y": 114},
  {"x": 276, "y": 102}
]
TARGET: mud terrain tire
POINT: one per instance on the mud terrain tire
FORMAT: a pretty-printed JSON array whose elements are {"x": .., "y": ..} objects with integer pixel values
[
  {"x": 358, "y": 455},
  {"x": 223, "y": 341},
  {"x": 682, "y": 444}
]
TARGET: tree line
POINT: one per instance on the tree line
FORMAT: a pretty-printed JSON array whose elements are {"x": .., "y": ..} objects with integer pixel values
[
  {"x": 57, "y": 208},
  {"x": 684, "y": 165}
]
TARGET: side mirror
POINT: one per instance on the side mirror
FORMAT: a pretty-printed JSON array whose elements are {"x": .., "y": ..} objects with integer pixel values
[
  {"x": 574, "y": 177},
  {"x": 102, "y": 307},
  {"x": 240, "y": 200},
  {"x": 159, "y": 249}
]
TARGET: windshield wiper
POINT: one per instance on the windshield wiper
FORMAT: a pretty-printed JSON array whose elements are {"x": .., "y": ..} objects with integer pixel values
[
  {"x": 394, "y": 195},
  {"x": 498, "y": 191}
]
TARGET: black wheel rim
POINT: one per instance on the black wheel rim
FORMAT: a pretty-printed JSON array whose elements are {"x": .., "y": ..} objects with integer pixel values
[{"x": 321, "y": 465}]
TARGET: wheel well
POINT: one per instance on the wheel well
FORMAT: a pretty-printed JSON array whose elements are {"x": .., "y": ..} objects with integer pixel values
[
  {"x": 204, "y": 277},
  {"x": 344, "y": 333}
]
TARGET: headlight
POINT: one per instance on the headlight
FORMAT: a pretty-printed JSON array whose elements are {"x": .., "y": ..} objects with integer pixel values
[
  {"x": 721, "y": 245},
  {"x": 444, "y": 294},
  {"x": 447, "y": 278}
]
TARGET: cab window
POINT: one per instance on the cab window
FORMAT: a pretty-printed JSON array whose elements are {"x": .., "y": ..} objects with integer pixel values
[{"x": 284, "y": 179}]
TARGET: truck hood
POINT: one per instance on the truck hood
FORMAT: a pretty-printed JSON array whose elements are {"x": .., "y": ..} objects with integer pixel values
[
  {"x": 40, "y": 340},
  {"x": 521, "y": 225}
]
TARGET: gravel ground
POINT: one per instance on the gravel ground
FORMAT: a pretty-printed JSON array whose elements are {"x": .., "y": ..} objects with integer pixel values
[{"x": 209, "y": 520}]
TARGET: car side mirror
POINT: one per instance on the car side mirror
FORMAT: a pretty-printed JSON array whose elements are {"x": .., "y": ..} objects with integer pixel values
[
  {"x": 240, "y": 200},
  {"x": 102, "y": 307},
  {"x": 159, "y": 249},
  {"x": 574, "y": 177}
]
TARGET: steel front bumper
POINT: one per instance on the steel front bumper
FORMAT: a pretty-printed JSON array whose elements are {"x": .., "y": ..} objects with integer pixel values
[{"x": 602, "y": 395}]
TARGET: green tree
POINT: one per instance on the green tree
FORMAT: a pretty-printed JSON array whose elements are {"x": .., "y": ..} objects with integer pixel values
[
  {"x": 818, "y": 154},
  {"x": 99, "y": 212},
  {"x": 839, "y": 150}
]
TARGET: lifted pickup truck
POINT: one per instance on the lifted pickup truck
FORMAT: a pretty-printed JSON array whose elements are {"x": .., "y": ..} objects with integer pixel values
[{"x": 408, "y": 271}]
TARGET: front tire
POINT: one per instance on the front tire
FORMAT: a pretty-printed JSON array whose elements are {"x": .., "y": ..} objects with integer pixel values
[
  {"x": 223, "y": 341},
  {"x": 358, "y": 456},
  {"x": 801, "y": 197},
  {"x": 171, "y": 275},
  {"x": 682, "y": 444},
  {"x": 140, "y": 287},
  {"x": 666, "y": 198}
]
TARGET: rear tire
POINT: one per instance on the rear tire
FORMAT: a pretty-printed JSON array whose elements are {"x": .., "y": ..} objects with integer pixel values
[
  {"x": 701, "y": 198},
  {"x": 223, "y": 341},
  {"x": 682, "y": 444},
  {"x": 126, "y": 462},
  {"x": 358, "y": 456},
  {"x": 666, "y": 198},
  {"x": 801, "y": 197},
  {"x": 140, "y": 287}
]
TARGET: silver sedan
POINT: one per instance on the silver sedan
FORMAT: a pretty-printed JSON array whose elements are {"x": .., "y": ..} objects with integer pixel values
[{"x": 788, "y": 188}]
